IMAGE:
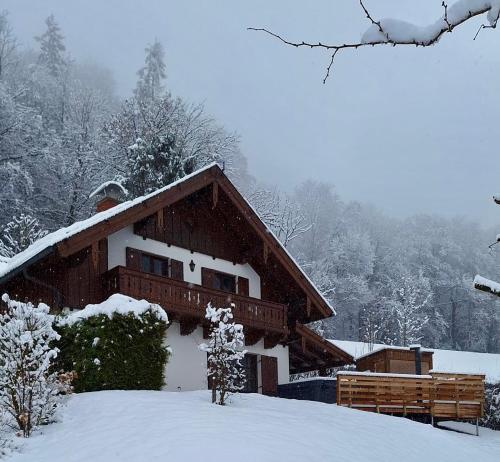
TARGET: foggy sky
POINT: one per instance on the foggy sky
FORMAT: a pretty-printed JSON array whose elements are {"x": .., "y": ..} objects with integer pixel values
[{"x": 408, "y": 130}]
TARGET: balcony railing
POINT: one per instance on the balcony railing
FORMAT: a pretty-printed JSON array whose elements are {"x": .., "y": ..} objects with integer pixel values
[{"x": 186, "y": 299}]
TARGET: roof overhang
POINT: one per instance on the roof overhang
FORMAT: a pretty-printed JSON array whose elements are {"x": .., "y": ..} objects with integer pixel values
[{"x": 309, "y": 351}]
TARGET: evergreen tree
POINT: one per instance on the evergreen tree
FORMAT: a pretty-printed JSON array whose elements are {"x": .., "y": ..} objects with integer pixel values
[
  {"x": 52, "y": 47},
  {"x": 152, "y": 165},
  {"x": 149, "y": 86}
]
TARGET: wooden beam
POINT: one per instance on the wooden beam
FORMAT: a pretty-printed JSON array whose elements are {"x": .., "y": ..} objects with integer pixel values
[
  {"x": 308, "y": 307},
  {"x": 160, "y": 225},
  {"x": 94, "y": 255},
  {"x": 265, "y": 253},
  {"x": 215, "y": 194}
]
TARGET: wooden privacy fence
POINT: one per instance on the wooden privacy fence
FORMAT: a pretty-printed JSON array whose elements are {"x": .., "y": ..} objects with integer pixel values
[{"x": 440, "y": 395}]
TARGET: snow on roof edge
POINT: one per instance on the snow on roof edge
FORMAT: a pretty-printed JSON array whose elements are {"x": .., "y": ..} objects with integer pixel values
[{"x": 65, "y": 233}]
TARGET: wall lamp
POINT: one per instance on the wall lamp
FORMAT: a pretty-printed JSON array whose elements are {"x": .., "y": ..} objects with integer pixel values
[{"x": 192, "y": 265}]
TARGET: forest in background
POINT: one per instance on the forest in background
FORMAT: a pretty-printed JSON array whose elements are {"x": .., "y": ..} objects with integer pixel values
[{"x": 64, "y": 131}]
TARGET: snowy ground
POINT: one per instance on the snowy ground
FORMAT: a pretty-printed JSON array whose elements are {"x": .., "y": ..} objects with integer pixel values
[{"x": 149, "y": 426}]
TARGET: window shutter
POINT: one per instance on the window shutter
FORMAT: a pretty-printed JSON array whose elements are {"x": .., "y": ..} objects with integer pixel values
[
  {"x": 243, "y": 284},
  {"x": 133, "y": 258},
  {"x": 269, "y": 373},
  {"x": 207, "y": 278},
  {"x": 176, "y": 269}
]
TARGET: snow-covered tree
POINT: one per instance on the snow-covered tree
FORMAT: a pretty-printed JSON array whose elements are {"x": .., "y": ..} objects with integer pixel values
[
  {"x": 411, "y": 296},
  {"x": 280, "y": 212},
  {"x": 19, "y": 233},
  {"x": 225, "y": 353},
  {"x": 491, "y": 418},
  {"x": 152, "y": 165},
  {"x": 149, "y": 86},
  {"x": 52, "y": 47},
  {"x": 29, "y": 391}
]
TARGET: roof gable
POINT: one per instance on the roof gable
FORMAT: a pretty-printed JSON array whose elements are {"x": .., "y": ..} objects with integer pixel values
[{"x": 76, "y": 237}]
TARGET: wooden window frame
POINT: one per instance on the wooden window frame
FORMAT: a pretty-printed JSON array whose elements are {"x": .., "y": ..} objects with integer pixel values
[
  {"x": 170, "y": 262},
  {"x": 237, "y": 279}
]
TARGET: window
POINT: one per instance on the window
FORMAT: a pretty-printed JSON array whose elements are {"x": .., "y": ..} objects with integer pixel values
[
  {"x": 155, "y": 265},
  {"x": 225, "y": 282}
]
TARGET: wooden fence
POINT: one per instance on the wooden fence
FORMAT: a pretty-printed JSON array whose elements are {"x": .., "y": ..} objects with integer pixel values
[{"x": 440, "y": 395}]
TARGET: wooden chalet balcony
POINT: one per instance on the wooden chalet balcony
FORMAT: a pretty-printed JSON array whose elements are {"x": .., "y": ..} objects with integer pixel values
[{"x": 189, "y": 300}]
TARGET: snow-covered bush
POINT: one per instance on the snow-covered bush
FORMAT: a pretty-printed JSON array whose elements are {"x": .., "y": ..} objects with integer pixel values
[
  {"x": 491, "y": 418},
  {"x": 225, "y": 353},
  {"x": 116, "y": 345},
  {"x": 29, "y": 388}
]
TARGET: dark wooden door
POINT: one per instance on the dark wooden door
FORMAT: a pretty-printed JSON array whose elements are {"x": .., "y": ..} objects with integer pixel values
[
  {"x": 269, "y": 372},
  {"x": 251, "y": 377}
]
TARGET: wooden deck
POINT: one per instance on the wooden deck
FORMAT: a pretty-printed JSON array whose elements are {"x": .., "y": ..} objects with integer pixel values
[
  {"x": 440, "y": 395},
  {"x": 181, "y": 298}
]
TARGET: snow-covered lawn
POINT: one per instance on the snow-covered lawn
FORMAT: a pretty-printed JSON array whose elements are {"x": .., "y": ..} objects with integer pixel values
[{"x": 151, "y": 426}]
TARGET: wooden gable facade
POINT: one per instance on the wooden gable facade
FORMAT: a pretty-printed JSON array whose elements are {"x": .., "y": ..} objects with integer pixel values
[{"x": 204, "y": 214}]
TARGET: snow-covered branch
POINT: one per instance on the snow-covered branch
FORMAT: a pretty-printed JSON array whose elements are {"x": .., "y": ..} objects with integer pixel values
[
  {"x": 397, "y": 32},
  {"x": 487, "y": 285}
]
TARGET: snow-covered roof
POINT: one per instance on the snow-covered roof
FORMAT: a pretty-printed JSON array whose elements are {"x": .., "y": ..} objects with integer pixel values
[
  {"x": 468, "y": 362},
  {"x": 44, "y": 245}
]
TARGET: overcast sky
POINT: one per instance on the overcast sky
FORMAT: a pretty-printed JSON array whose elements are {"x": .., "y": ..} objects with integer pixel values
[{"x": 409, "y": 130}]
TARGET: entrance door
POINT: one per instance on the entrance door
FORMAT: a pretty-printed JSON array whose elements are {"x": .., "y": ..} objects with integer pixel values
[
  {"x": 269, "y": 370},
  {"x": 251, "y": 378}
]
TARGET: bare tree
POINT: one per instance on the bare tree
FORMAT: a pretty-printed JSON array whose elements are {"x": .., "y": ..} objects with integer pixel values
[
  {"x": 8, "y": 44},
  {"x": 395, "y": 32}
]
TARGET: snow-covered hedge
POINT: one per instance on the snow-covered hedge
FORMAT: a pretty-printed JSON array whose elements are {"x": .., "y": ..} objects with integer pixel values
[{"x": 116, "y": 345}]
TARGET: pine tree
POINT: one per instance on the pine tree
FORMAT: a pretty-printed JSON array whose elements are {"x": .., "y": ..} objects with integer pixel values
[
  {"x": 149, "y": 86},
  {"x": 19, "y": 234},
  {"x": 225, "y": 353},
  {"x": 29, "y": 392},
  {"x": 152, "y": 165},
  {"x": 52, "y": 47}
]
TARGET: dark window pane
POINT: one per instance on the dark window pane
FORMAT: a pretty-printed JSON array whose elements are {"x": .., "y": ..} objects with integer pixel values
[
  {"x": 224, "y": 282},
  {"x": 145, "y": 263}
]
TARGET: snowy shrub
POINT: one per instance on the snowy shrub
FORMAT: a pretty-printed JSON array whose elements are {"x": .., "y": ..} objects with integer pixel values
[
  {"x": 491, "y": 418},
  {"x": 225, "y": 352},
  {"x": 29, "y": 389},
  {"x": 115, "y": 349}
]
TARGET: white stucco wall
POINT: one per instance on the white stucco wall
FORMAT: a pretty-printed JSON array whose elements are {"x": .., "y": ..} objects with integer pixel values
[
  {"x": 187, "y": 367},
  {"x": 119, "y": 241}
]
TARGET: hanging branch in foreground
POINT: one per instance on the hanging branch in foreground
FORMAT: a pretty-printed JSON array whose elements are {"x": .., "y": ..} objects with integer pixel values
[{"x": 396, "y": 32}]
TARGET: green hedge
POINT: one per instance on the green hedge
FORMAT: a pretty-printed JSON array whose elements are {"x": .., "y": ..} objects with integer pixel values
[{"x": 126, "y": 352}]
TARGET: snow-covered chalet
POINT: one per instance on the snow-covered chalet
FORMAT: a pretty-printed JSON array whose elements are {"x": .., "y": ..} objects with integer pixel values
[{"x": 192, "y": 242}]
